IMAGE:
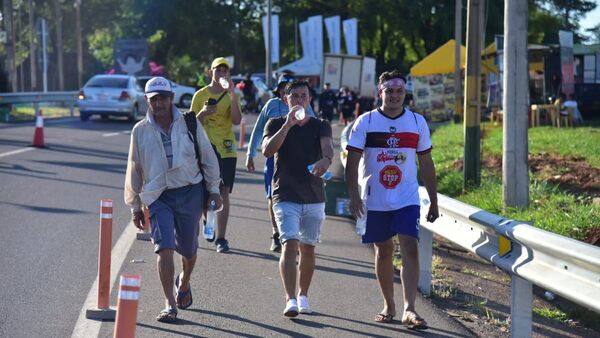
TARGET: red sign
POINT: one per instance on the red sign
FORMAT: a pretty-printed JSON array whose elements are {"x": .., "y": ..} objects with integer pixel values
[{"x": 390, "y": 176}]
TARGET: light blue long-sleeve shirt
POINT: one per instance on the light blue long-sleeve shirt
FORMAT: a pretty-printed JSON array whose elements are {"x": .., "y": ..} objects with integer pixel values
[{"x": 274, "y": 108}]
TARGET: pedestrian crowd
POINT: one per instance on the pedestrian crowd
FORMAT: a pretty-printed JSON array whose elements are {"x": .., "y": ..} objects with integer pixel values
[{"x": 182, "y": 164}]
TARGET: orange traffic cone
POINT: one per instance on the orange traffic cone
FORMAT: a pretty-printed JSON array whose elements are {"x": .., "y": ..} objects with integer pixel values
[{"x": 38, "y": 135}]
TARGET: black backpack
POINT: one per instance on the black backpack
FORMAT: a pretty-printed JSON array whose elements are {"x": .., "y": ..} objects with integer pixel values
[{"x": 190, "y": 121}]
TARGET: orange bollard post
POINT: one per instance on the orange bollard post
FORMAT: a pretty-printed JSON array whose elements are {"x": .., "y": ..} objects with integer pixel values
[
  {"x": 242, "y": 133},
  {"x": 127, "y": 306},
  {"x": 104, "y": 311},
  {"x": 38, "y": 135},
  {"x": 144, "y": 235}
]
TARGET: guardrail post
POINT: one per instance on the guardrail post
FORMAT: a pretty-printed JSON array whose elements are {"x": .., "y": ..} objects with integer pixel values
[
  {"x": 425, "y": 260},
  {"x": 72, "y": 108},
  {"x": 521, "y": 308}
]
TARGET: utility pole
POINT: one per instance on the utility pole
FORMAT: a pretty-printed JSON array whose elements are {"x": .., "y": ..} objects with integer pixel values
[
  {"x": 32, "y": 47},
  {"x": 472, "y": 104},
  {"x": 515, "y": 175},
  {"x": 59, "y": 44},
  {"x": 10, "y": 45},
  {"x": 268, "y": 66},
  {"x": 18, "y": 30},
  {"x": 79, "y": 44},
  {"x": 458, "y": 44}
]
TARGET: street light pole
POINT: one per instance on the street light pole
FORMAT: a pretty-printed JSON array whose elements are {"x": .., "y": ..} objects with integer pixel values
[
  {"x": 32, "y": 48},
  {"x": 79, "y": 45},
  {"x": 268, "y": 66}
]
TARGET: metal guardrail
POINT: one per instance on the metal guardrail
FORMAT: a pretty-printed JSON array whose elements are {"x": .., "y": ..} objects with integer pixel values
[
  {"x": 69, "y": 99},
  {"x": 530, "y": 255}
]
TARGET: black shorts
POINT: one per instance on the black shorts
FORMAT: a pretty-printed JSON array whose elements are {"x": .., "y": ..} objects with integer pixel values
[{"x": 227, "y": 166}]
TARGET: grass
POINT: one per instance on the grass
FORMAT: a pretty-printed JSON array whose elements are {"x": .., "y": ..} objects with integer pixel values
[
  {"x": 550, "y": 208},
  {"x": 26, "y": 112},
  {"x": 554, "y": 314}
]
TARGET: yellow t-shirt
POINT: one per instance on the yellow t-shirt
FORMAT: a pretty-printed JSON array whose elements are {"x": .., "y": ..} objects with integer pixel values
[{"x": 218, "y": 126}]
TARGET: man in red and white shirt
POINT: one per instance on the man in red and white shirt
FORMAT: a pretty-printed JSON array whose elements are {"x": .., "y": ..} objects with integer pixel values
[{"x": 391, "y": 139}]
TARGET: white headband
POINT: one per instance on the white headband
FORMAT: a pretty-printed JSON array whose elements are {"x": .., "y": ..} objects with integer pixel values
[{"x": 395, "y": 82}]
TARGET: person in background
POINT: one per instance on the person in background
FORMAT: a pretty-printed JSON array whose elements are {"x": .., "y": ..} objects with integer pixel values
[
  {"x": 572, "y": 103},
  {"x": 347, "y": 104},
  {"x": 249, "y": 92},
  {"x": 390, "y": 140},
  {"x": 164, "y": 174},
  {"x": 327, "y": 102},
  {"x": 298, "y": 194},
  {"x": 218, "y": 109},
  {"x": 274, "y": 108}
]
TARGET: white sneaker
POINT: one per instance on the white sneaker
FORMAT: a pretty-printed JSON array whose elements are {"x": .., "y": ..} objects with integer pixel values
[
  {"x": 291, "y": 308},
  {"x": 303, "y": 305}
]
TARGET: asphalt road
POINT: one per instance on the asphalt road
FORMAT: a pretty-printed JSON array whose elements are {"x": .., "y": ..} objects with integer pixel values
[{"x": 50, "y": 200}]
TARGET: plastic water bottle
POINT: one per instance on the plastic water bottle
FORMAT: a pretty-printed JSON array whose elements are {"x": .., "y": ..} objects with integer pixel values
[
  {"x": 224, "y": 83},
  {"x": 361, "y": 222},
  {"x": 300, "y": 114},
  {"x": 211, "y": 220},
  {"x": 326, "y": 176}
]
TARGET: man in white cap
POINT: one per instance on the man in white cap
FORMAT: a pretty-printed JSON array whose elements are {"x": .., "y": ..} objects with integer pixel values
[
  {"x": 168, "y": 180},
  {"x": 391, "y": 139}
]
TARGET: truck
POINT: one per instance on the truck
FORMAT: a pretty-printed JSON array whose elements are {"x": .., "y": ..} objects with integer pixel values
[{"x": 354, "y": 71}]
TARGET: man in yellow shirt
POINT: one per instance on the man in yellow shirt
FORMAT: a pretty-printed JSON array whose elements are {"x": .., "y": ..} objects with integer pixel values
[{"x": 218, "y": 109}]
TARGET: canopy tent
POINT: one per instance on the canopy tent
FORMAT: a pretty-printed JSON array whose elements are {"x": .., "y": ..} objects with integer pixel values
[
  {"x": 440, "y": 61},
  {"x": 302, "y": 66}
]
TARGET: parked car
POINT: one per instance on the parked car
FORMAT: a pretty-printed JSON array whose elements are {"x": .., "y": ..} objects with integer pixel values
[
  {"x": 263, "y": 93},
  {"x": 183, "y": 94},
  {"x": 119, "y": 95}
]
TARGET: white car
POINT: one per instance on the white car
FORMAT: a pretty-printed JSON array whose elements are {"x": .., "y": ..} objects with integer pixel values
[
  {"x": 183, "y": 94},
  {"x": 106, "y": 95}
]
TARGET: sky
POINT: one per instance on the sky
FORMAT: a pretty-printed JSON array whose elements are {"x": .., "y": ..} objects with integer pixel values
[{"x": 591, "y": 19}]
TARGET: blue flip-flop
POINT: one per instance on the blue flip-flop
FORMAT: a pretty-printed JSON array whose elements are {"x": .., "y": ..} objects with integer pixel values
[{"x": 182, "y": 295}]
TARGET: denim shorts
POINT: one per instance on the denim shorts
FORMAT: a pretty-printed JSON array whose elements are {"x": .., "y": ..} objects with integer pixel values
[
  {"x": 174, "y": 218},
  {"x": 299, "y": 221},
  {"x": 383, "y": 225}
]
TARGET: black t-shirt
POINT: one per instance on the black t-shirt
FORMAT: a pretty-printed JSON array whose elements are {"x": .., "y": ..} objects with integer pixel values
[
  {"x": 292, "y": 182},
  {"x": 327, "y": 100}
]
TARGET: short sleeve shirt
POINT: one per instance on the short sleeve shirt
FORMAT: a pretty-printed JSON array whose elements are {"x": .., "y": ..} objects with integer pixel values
[
  {"x": 292, "y": 182},
  {"x": 389, "y": 147},
  {"x": 218, "y": 126}
]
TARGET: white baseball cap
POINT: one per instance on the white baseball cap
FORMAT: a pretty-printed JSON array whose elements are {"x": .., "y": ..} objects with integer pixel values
[{"x": 158, "y": 85}]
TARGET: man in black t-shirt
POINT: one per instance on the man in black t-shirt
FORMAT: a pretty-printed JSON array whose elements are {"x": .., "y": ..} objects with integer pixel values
[
  {"x": 298, "y": 141},
  {"x": 327, "y": 102}
]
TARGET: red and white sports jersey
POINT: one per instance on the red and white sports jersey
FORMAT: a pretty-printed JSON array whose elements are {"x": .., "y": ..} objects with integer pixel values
[{"x": 388, "y": 172}]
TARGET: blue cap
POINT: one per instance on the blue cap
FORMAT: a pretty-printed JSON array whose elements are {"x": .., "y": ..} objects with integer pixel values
[{"x": 283, "y": 80}]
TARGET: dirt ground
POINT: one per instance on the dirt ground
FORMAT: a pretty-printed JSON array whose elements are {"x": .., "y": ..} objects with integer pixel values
[{"x": 478, "y": 294}]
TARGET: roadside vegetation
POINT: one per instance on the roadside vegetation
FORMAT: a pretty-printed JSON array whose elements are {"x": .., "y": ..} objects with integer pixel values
[{"x": 564, "y": 183}]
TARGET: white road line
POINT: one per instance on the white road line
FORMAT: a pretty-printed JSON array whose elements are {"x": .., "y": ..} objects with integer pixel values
[
  {"x": 87, "y": 328},
  {"x": 126, "y": 132},
  {"x": 18, "y": 151}
]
